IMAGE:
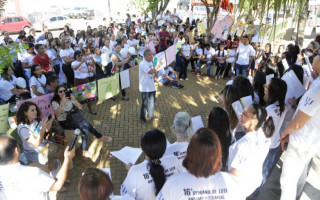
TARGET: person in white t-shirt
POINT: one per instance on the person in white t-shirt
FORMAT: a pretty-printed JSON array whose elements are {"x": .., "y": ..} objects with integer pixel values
[
  {"x": 182, "y": 128},
  {"x": 168, "y": 75},
  {"x": 67, "y": 56},
  {"x": 24, "y": 182},
  {"x": 209, "y": 54},
  {"x": 145, "y": 180},
  {"x": 146, "y": 85},
  {"x": 221, "y": 56},
  {"x": 27, "y": 60},
  {"x": 247, "y": 154},
  {"x": 304, "y": 143},
  {"x": 203, "y": 179},
  {"x": 106, "y": 53},
  {"x": 161, "y": 19},
  {"x": 8, "y": 89},
  {"x": 231, "y": 61},
  {"x": 38, "y": 82},
  {"x": 245, "y": 54},
  {"x": 185, "y": 52},
  {"x": 275, "y": 93}
]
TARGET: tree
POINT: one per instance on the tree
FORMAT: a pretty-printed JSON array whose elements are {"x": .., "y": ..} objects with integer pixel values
[
  {"x": 8, "y": 53},
  {"x": 211, "y": 14},
  {"x": 153, "y": 6}
]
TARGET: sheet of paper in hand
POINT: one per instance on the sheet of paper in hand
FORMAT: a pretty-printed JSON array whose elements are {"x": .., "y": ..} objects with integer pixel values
[
  {"x": 294, "y": 86},
  {"x": 197, "y": 123},
  {"x": 127, "y": 154}
]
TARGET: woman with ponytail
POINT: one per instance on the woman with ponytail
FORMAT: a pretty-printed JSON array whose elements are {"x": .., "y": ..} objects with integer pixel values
[
  {"x": 182, "y": 128},
  {"x": 275, "y": 93},
  {"x": 145, "y": 180},
  {"x": 203, "y": 180},
  {"x": 246, "y": 155}
]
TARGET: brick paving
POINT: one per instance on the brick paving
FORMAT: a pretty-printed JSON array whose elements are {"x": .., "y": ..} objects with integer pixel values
[{"x": 120, "y": 120}]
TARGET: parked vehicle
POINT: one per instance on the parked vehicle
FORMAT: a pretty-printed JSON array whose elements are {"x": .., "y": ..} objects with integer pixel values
[
  {"x": 15, "y": 24},
  {"x": 88, "y": 14},
  {"x": 77, "y": 12},
  {"x": 52, "y": 23}
]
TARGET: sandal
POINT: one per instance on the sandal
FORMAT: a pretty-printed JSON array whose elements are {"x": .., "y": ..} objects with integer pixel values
[{"x": 106, "y": 138}]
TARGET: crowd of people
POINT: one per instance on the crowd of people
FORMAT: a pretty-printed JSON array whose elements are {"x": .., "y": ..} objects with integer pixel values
[{"x": 238, "y": 153}]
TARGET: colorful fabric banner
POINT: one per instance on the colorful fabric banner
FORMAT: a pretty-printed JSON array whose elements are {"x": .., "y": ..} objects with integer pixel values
[
  {"x": 252, "y": 29},
  {"x": 108, "y": 87},
  {"x": 43, "y": 102},
  {"x": 171, "y": 54},
  {"x": 4, "y": 113},
  {"x": 85, "y": 91},
  {"x": 264, "y": 29}
]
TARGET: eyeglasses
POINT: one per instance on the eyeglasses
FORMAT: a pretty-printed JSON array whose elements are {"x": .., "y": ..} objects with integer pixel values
[
  {"x": 80, "y": 55},
  {"x": 61, "y": 91}
]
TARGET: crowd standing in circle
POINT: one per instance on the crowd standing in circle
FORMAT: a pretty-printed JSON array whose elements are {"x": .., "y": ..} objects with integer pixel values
[{"x": 238, "y": 152}]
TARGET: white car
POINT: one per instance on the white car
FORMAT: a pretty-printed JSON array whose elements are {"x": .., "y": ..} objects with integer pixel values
[{"x": 52, "y": 23}]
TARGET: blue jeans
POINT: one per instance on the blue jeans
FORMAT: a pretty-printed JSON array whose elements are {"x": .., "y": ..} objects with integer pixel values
[
  {"x": 208, "y": 63},
  {"x": 85, "y": 128},
  {"x": 267, "y": 167},
  {"x": 241, "y": 69},
  {"x": 148, "y": 100},
  {"x": 165, "y": 81}
]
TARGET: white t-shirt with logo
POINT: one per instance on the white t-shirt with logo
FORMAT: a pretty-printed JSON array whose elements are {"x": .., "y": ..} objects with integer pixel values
[
  {"x": 6, "y": 87},
  {"x": 244, "y": 54},
  {"x": 24, "y": 182},
  {"x": 162, "y": 72},
  {"x": 273, "y": 111},
  {"x": 40, "y": 84},
  {"x": 307, "y": 139},
  {"x": 139, "y": 183},
  {"x": 177, "y": 149},
  {"x": 247, "y": 155},
  {"x": 66, "y": 52},
  {"x": 81, "y": 72},
  {"x": 186, "y": 186},
  {"x": 146, "y": 80},
  {"x": 186, "y": 49},
  {"x": 209, "y": 53}
]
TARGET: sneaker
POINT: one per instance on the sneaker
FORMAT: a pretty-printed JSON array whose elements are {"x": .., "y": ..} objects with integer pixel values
[
  {"x": 181, "y": 86},
  {"x": 207, "y": 77},
  {"x": 198, "y": 74},
  {"x": 181, "y": 79},
  {"x": 216, "y": 77},
  {"x": 186, "y": 79},
  {"x": 175, "y": 87},
  {"x": 154, "y": 118}
]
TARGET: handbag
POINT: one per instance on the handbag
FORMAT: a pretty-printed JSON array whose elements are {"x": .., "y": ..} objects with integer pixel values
[{"x": 75, "y": 116}]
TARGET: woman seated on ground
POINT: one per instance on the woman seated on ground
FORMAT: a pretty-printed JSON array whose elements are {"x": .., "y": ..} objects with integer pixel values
[
  {"x": 246, "y": 155},
  {"x": 182, "y": 128},
  {"x": 37, "y": 82},
  {"x": 203, "y": 178},
  {"x": 96, "y": 184},
  {"x": 145, "y": 180},
  {"x": 31, "y": 130},
  {"x": 219, "y": 122},
  {"x": 8, "y": 86},
  {"x": 62, "y": 106}
]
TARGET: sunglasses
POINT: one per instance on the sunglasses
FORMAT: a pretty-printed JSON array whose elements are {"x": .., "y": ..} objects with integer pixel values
[
  {"x": 61, "y": 91},
  {"x": 10, "y": 42}
]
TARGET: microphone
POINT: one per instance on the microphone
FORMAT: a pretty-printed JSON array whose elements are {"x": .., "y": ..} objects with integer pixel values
[{"x": 76, "y": 133}]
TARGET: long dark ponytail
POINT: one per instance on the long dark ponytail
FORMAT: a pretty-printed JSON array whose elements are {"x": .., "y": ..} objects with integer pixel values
[
  {"x": 154, "y": 144},
  {"x": 265, "y": 123},
  {"x": 277, "y": 92}
]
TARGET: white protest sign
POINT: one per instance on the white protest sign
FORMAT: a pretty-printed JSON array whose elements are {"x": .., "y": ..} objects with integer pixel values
[
  {"x": 238, "y": 109},
  {"x": 197, "y": 123},
  {"x": 294, "y": 86},
  {"x": 269, "y": 77},
  {"x": 125, "y": 79},
  {"x": 246, "y": 101}
]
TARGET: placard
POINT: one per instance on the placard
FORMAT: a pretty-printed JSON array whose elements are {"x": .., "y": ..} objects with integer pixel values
[
  {"x": 43, "y": 102},
  {"x": 171, "y": 54},
  {"x": 125, "y": 79},
  {"x": 85, "y": 91},
  {"x": 108, "y": 87},
  {"x": 4, "y": 113},
  {"x": 160, "y": 57}
]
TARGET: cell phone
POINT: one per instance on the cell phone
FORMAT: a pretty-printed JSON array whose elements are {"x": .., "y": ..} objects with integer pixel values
[
  {"x": 49, "y": 117},
  {"x": 68, "y": 93}
]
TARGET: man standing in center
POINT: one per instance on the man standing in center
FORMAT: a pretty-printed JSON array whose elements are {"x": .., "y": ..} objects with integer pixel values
[{"x": 146, "y": 85}]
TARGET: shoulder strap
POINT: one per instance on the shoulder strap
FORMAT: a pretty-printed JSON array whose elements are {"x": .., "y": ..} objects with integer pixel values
[{"x": 41, "y": 83}]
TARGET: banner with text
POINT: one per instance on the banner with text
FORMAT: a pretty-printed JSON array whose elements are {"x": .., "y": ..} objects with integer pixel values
[{"x": 43, "y": 102}]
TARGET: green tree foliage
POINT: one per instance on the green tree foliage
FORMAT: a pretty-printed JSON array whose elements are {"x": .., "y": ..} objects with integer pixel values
[
  {"x": 153, "y": 6},
  {"x": 8, "y": 53}
]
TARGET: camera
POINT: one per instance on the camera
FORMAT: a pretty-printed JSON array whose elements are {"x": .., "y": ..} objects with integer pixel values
[{"x": 68, "y": 93}]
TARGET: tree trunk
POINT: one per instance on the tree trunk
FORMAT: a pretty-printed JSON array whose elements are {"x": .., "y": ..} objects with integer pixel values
[{"x": 302, "y": 21}]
